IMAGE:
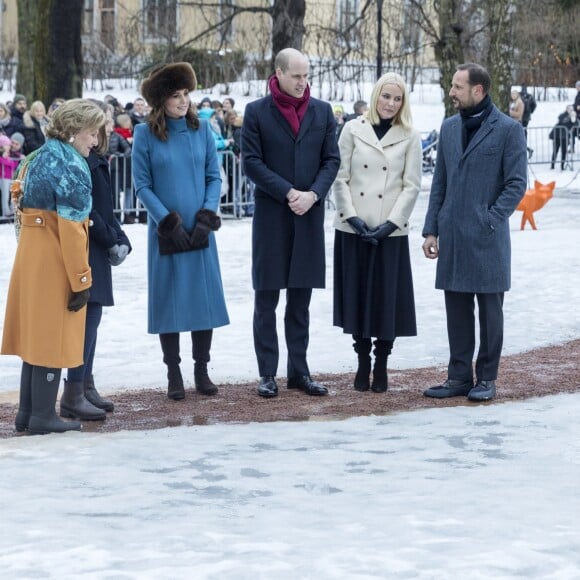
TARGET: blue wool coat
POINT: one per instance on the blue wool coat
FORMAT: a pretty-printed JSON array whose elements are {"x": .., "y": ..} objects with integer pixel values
[
  {"x": 181, "y": 175},
  {"x": 287, "y": 249},
  {"x": 473, "y": 194}
]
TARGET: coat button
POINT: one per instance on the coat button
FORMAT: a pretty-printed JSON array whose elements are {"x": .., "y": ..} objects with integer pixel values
[
  {"x": 84, "y": 279},
  {"x": 380, "y": 196},
  {"x": 365, "y": 166},
  {"x": 91, "y": 223},
  {"x": 341, "y": 214},
  {"x": 38, "y": 220},
  {"x": 384, "y": 168},
  {"x": 362, "y": 192}
]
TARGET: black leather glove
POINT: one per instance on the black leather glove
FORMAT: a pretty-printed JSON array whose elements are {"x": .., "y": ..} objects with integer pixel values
[
  {"x": 180, "y": 238},
  {"x": 200, "y": 236},
  {"x": 78, "y": 300},
  {"x": 172, "y": 234},
  {"x": 382, "y": 232},
  {"x": 360, "y": 227},
  {"x": 206, "y": 221}
]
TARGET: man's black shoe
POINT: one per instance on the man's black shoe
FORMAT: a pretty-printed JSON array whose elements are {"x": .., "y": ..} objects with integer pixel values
[
  {"x": 450, "y": 388},
  {"x": 483, "y": 391},
  {"x": 268, "y": 387},
  {"x": 307, "y": 385}
]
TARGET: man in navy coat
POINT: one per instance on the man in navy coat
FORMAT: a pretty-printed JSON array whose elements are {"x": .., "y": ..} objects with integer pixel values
[
  {"x": 289, "y": 151},
  {"x": 480, "y": 177}
]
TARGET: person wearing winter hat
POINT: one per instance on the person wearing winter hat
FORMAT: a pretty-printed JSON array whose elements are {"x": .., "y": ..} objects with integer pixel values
[
  {"x": 17, "y": 110},
  {"x": 11, "y": 157},
  {"x": 176, "y": 176},
  {"x": 16, "y": 141},
  {"x": 7, "y": 167}
]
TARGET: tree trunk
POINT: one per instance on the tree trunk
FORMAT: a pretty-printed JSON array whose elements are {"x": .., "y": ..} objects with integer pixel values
[
  {"x": 500, "y": 54},
  {"x": 448, "y": 49},
  {"x": 27, "y": 19},
  {"x": 287, "y": 25},
  {"x": 58, "y": 56}
]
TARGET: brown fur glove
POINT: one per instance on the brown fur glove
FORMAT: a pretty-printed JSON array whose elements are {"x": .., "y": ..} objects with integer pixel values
[{"x": 206, "y": 221}]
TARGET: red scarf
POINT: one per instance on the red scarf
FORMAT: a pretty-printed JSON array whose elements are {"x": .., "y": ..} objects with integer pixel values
[
  {"x": 292, "y": 109},
  {"x": 126, "y": 133}
]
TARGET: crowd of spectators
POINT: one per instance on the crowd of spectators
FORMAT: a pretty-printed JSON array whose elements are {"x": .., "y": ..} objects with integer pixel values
[{"x": 22, "y": 130}]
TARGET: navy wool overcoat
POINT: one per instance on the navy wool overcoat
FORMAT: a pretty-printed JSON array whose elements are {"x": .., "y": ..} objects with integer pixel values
[
  {"x": 104, "y": 231},
  {"x": 287, "y": 249}
]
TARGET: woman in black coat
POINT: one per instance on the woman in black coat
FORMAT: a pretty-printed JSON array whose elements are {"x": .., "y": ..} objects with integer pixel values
[
  {"x": 108, "y": 246},
  {"x": 564, "y": 133},
  {"x": 33, "y": 135}
]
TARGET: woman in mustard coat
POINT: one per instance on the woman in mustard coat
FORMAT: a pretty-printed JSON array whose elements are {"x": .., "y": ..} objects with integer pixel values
[
  {"x": 376, "y": 188},
  {"x": 51, "y": 277}
]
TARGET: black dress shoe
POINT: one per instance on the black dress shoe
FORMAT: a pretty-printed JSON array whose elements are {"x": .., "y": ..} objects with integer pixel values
[
  {"x": 307, "y": 385},
  {"x": 450, "y": 388},
  {"x": 268, "y": 387},
  {"x": 483, "y": 391}
]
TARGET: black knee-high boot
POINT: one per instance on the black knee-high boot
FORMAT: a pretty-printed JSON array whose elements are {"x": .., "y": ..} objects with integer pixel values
[
  {"x": 43, "y": 417},
  {"x": 201, "y": 345},
  {"x": 362, "y": 346},
  {"x": 382, "y": 351},
  {"x": 25, "y": 403},
  {"x": 170, "y": 347}
]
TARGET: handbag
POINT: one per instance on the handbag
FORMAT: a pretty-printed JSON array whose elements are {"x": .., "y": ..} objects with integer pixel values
[{"x": 17, "y": 190}]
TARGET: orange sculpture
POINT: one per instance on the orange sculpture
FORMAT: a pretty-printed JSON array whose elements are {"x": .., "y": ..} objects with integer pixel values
[{"x": 533, "y": 200}]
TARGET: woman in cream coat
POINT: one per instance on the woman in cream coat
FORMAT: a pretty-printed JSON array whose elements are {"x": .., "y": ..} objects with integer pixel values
[{"x": 376, "y": 189}]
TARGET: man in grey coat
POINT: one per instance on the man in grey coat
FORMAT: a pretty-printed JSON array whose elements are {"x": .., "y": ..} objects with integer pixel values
[
  {"x": 480, "y": 177},
  {"x": 289, "y": 151}
]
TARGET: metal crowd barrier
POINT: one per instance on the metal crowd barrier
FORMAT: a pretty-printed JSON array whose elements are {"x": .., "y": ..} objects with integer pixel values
[
  {"x": 237, "y": 198},
  {"x": 546, "y": 144}
]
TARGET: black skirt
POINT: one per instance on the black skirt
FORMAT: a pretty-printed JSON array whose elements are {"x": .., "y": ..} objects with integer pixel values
[{"x": 373, "y": 287}]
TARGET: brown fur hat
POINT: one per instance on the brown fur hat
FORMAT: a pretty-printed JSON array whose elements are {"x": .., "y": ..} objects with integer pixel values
[{"x": 166, "y": 79}]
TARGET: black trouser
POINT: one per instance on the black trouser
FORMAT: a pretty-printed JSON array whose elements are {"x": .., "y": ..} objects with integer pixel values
[
  {"x": 296, "y": 323},
  {"x": 560, "y": 144},
  {"x": 93, "y": 319},
  {"x": 460, "y": 309}
]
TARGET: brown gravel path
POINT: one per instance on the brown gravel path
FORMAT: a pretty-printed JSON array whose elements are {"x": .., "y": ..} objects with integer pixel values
[{"x": 540, "y": 372}]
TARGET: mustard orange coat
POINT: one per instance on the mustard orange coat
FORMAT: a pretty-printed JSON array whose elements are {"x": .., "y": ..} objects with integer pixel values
[{"x": 51, "y": 262}]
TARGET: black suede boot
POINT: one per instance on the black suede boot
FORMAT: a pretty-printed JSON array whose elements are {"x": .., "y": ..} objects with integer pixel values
[
  {"x": 201, "y": 345},
  {"x": 43, "y": 417},
  {"x": 74, "y": 404},
  {"x": 170, "y": 348},
  {"x": 382, "y": 351},
  {"x": 25, "y": 403},
  {"x": 93, "y": 396},
  {"x": 362, "y": 346}
]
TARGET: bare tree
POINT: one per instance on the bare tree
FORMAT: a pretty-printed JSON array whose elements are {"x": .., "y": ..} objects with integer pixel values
[
  {"x": 27, "y": 25},
  {"x": 58, "y": 55},
  {"x": 287, "y": 21}
]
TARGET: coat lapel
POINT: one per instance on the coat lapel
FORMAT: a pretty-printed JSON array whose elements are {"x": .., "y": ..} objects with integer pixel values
[
  {"x": 365, "y": 132},
  {"x": 279, "y": 118},
  {"x": 306, "y": 121}
]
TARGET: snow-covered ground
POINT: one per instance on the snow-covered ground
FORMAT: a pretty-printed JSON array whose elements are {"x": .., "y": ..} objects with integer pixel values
[{"x": 488, "y": 491}]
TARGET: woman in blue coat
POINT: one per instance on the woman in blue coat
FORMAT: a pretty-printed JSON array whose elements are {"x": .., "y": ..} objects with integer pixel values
[{"x": 176, "y": 176}]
